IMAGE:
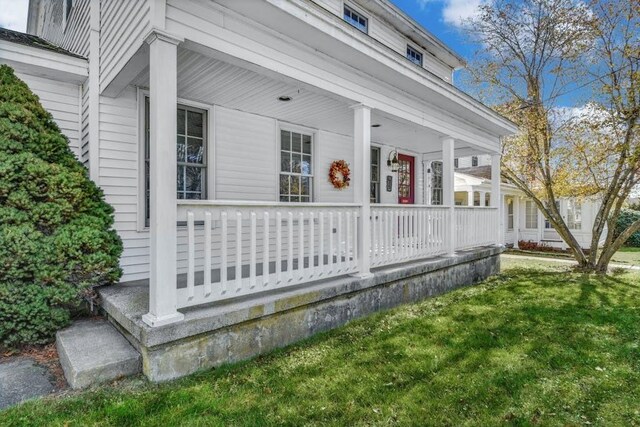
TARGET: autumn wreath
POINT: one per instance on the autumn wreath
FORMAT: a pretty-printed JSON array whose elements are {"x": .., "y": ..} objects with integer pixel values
[{"x": 339, "y": 174}]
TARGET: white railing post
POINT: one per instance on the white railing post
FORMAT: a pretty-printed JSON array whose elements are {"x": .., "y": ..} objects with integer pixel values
[
  {"x": 163, "y": 98},
  {"x": 470, "y": 197},
  {"x": 496, "y": 197},
  {"x": 362, "y": 180},
  {"x": 448, "y": 192},
  {"x": 516, "y": 221}
]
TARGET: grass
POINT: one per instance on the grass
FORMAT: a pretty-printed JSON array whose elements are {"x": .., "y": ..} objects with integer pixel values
[
  {"x": 627, "y": 255},
  {"x": 537, "y": 344}
]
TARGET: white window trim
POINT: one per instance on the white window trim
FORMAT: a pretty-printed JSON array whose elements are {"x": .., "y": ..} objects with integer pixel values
[
  {"x": 209, "y": 152},
  {"x": 358, "y": 10},
  {"x": 291, "y": 127}
]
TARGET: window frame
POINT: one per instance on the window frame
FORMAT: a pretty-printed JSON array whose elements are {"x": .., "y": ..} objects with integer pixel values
[
  {"x": 208, "y": 156},
  {"x": 510, "y": 215},
  {"x": 434, "y": 189},
  {"x": 527, "y": 214},
  {"x": 348, "y": 6},
  {"x": 474, "y": 161},
  {"x": 375, "y": 148},
  {"x": 302, "y": 131},
  {"x": 415, "y": 51}
]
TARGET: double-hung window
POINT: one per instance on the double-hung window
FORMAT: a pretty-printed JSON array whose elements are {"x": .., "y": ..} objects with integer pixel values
[
  {"x": 474, "y": 160},
  {"x": 414, "y": 56},
  {"x": 436, "y": 183},
  {"x": 574, "y": 214},
  {"x": 356, "y": 19},
  {"x": 531, "y": 215},
  {"x": 375, "y": 175},
  {"x": 191, "y": 146},
  {"x": 296, "y": 173}
]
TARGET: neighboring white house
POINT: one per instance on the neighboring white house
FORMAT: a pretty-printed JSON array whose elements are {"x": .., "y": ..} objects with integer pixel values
[
  {"x": 521, "y": 219},
  {"x": 211, "y": 127}
]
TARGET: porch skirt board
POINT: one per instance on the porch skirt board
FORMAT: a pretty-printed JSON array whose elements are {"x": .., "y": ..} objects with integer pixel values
[{"x": 213, "y": 336}]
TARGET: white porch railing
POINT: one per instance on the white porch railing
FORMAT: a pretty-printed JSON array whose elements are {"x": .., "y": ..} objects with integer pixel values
[
  {"x": 476, "y": 226},
  {"x": 231, "y": 249},
  {"x": 401, "y": 233},
  {"x": 228, "y": 249}
]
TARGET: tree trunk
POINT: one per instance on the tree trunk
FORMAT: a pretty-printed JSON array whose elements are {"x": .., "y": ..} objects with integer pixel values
[{"x": 610, "y": 250}]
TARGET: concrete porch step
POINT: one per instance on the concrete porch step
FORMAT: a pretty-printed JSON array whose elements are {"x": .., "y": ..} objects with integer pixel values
[{"x": 93, "y": 351}]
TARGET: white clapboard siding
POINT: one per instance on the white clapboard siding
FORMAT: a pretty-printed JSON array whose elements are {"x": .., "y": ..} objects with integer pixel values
[
  {"x": 333, "y": 6},
  {"x": 84, "y": 125},
  {"x": 330, "y": 147},
  {"x": 123, "y": 25},
  {"x": 245, "y": 156},
  {"x": 62, "y": 100},
  {"x": 75, "y": 36},
  {"x": 119, "y": 163}
]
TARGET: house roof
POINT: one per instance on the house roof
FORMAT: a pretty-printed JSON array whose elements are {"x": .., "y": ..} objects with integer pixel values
[
  {"x": 483, "y": 172},
  {"x": 33, "y": 41}
]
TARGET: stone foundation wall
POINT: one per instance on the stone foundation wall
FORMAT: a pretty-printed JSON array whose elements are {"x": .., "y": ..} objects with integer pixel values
[{"x": 267, "y": 331}]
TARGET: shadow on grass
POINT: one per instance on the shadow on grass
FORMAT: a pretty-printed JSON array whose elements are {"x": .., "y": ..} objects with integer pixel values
[{"x": 525, "y": 347}]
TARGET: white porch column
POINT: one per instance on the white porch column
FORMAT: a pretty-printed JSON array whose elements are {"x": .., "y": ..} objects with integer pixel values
[
  {"x": 448, "y": 189},
  {"x": 163, "y": 100},
  {"x": 362, "y": 181},
  {"x": 516, "y": 221},
  {"x": 470, "y": 197},
  {"x": 483, "y": 198},
  {"x": 496, "y": 197}
]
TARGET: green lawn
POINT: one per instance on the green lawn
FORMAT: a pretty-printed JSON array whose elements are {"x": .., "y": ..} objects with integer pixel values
[
  {"x": 536, "y": 345},
  {"x": 629, "y": 256}
]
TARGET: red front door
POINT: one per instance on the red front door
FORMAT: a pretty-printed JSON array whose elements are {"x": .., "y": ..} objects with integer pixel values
[{"x": 406, "y": 179}]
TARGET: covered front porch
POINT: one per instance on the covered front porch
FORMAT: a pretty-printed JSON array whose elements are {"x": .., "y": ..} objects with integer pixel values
[{"x": 253, "y": 211}]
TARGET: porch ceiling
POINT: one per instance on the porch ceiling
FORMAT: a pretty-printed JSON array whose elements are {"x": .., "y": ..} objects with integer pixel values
[{"x": 215, "y": 82}]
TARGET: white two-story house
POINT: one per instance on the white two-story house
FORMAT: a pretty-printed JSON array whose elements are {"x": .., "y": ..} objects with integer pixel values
[{"x": 213, "y": 126}]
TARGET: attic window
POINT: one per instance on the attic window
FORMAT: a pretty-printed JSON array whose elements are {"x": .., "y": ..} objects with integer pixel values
[
  {"x": 356, "y": 19},
  {"x": 474, "y": 161},
  {"x": 414, "y": 56}
]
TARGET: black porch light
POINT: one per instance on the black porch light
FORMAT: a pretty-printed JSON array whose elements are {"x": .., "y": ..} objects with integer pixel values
[{"x": 392, "y": 161}]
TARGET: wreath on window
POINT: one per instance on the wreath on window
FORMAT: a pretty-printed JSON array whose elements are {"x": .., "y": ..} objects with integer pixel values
[{"x": 339, "y": 173}]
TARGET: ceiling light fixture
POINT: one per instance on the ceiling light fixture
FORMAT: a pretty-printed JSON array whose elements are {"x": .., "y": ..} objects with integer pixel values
[
  {"x": 284, "y": 98},
  {"x": 377, "y": 125}
]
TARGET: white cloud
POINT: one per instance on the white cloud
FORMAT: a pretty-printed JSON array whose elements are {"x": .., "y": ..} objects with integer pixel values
[
  {"x": 13, "y": 14},
  {"x": 455, "y": 12}
]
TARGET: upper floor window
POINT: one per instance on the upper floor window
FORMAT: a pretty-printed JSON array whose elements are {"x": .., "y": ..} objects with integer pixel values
[
  {"x": 356, "y": 19},
  {"x": 296, "y": 175},
  {"x": 510, "y": 214},
  {"x": 474, "y": 161},
  {"x": 414, "y": 56},
  {"x": 455, "y": 162}
]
